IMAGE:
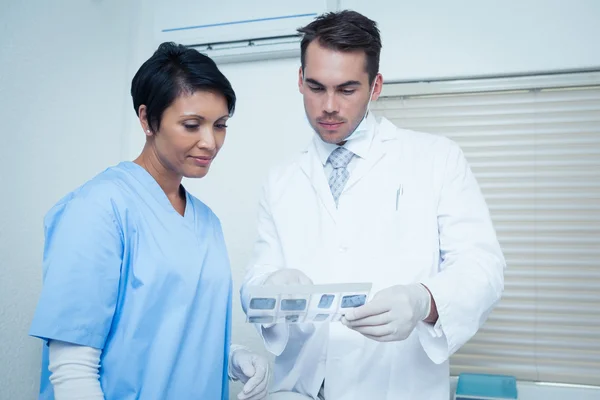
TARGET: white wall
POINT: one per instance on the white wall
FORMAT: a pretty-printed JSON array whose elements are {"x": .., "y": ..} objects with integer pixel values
[
  {"x": 65, "y": 71},
  {"x": 441, "y": 39},
  {"x": 63, "y": 93}
]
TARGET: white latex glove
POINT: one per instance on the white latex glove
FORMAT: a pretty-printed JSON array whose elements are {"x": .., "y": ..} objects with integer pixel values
[
  {"x": 252, "y": 370},
  {"x": 288, "y": 276},
  {"x": 392, "y": 314}
]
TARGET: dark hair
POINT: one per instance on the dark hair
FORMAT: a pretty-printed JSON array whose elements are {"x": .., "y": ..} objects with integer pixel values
[
  {"x": 172, "y": 70},
  {"x": 345, "y": 31}
]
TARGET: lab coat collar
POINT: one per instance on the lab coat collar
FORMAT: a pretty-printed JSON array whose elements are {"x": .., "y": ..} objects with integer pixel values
[
  {"x": 376, "y": 152},
  {"x": 311, "y": 163}
]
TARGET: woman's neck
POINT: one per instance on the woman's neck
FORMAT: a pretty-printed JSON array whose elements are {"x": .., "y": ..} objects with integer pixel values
[{"x": 167, "y": 180}]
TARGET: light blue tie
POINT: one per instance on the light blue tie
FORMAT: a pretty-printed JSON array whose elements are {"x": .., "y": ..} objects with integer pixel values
[{"x": 339, "y": 160}]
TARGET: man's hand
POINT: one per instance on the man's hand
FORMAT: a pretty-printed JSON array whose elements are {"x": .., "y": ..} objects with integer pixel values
[
  {"x": 392, "y": 314},
  {"x": 288, "y": 276}
]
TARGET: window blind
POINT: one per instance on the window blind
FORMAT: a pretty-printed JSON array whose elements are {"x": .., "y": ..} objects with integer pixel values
[{"x": 536, "y": 155}]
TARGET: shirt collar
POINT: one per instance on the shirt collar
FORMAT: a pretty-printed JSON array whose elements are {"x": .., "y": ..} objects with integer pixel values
[{"x": 359, "y": 142}]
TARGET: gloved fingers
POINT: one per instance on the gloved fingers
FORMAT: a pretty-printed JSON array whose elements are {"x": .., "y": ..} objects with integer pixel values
[
  {"x": 288, "y": 277},
  {"x": 370, "y": 309},
  {"x": 276, "y": 280},
  {"x": 247, "y": 368},
  {"x": 257, "y": 396},
  {"x": 296, "y": 278},
  {"x": 375, "y": 320},
  {"x": 256, "y": 387},
  {"x": 304, "y": 280},
  {"x": 383, "y": 339},
  {"x": 375, "y": 331},
  {"x": 259, "y": 392}
]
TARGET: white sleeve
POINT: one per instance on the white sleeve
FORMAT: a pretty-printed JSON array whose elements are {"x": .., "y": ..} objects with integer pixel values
[
  {"x": 74, "y": 371},
  {"x": 267, "y": 258},
  {"x": 471, "y": 277}
]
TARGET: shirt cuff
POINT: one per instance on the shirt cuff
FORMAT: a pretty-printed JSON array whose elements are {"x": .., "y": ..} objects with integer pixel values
[
  {"x": 435, "y": 330},
  {"x": 434, "y": 341},
  {"x": 275, "y": 337}
]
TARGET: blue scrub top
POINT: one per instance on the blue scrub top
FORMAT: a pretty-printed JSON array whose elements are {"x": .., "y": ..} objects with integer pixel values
[{"x": 125, "y": 273}]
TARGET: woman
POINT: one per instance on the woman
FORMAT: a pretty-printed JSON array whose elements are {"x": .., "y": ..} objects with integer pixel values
[{"x": 136, "y": 302}]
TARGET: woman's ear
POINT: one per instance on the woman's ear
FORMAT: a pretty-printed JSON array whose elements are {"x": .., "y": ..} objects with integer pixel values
[{"x": 143, "y": 117}]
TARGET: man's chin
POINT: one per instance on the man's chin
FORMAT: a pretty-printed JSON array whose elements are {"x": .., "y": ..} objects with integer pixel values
[{"x": 332, "y": 137}]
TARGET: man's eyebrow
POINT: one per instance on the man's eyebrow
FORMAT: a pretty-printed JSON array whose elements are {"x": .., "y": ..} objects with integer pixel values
[
  {"x": 314, "y": 82},
  {"x": 349, "y": 83},
  {"x": 340, "y": 86}
]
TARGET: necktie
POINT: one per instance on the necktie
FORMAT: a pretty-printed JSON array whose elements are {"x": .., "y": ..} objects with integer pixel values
[{"x": 339, "y": 160}]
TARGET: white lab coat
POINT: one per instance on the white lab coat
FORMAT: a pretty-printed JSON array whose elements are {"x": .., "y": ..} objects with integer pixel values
[{"x": 410, "y": 212}]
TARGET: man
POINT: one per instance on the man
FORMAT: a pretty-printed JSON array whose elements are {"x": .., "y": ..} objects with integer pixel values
[{"x": 369, "y": 202}]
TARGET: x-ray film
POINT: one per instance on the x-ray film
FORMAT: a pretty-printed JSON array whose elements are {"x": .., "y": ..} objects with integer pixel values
[
  {"x": 353, "y": 300},
  {"x": 293, "y": 304},
  {"x": 262, "y": 303}
]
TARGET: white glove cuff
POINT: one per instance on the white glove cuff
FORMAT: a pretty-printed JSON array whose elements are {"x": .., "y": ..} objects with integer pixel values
[{"x": 425, "y": 302}]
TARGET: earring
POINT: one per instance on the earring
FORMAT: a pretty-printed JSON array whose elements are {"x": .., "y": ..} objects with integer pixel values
[{"x": 148, "y": 130}]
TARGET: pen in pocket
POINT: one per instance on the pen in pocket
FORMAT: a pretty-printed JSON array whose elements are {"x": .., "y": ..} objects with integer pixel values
[{"x": 398, "y": 194}]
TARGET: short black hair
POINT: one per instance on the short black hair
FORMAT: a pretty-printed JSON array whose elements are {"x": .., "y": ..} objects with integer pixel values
[
  {"x": 172, "y": 70},
  {"x": 346, "y": 31}
]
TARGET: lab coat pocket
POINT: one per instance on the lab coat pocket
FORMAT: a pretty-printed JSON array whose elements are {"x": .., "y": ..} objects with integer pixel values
[
  {"x": 396, "y": 223},
  {"x": 408, "y": 245}
]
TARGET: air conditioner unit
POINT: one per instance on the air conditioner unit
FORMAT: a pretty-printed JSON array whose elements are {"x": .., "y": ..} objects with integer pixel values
[{"x": 238, "y": 30}]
